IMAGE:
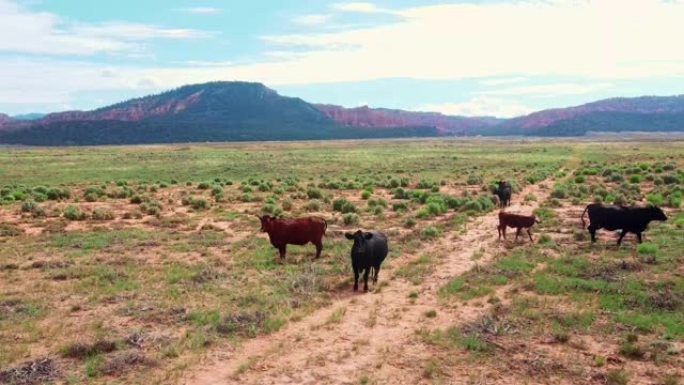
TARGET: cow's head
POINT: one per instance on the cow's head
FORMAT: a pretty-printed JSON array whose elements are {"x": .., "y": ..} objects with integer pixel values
[
  {"x": 359, "y": 238},
  {"x": 499, "y": 186},
  {"x": 266, "y": 222},
  {"x": 657, "y": 214}
]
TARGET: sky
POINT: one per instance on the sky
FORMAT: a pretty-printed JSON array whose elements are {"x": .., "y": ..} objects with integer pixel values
[{"x": 465, "y": 57}]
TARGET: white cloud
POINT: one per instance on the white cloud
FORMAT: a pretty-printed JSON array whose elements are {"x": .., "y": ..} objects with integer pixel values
[
  {"x": 598, "y": 39},
  {"x": 133, "y": 31},
  {"x": 480, "y": 106},
  {"x": 24, "y": 31},
  {"x": 548, "y": 90},
  {"x": 314, "y": 19},
  {"x": 500, "y": 81},
  {"x": 201, "y": 10},
  {"x": 360, "y": 7},
  {"x": 205, "y": 63}
]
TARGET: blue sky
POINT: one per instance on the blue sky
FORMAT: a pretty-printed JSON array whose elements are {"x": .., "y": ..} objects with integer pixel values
[{"x": 468, "y": 57}]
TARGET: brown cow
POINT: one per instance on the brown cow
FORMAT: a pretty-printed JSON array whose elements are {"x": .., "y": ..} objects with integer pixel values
[
  {"x": 515, "y": 220},
  {"x": 294, "y": 231}
]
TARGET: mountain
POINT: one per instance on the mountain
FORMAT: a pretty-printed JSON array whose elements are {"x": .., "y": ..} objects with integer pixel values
[
  {"x": 32, "y": 116},
  {"x": 241, "y": 111},
  {"x": 382, "y": 117},
  {"x": 217, "y": 111},
  {"x": 646, "y": 113},
  {"x": 5, "y": 119}
]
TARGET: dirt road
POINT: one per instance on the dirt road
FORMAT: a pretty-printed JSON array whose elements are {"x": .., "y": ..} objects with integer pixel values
[{"x": 366, "y": 335}]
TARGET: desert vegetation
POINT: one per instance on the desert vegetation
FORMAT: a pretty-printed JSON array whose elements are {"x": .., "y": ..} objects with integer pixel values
[{"x": 130, "y": 264}]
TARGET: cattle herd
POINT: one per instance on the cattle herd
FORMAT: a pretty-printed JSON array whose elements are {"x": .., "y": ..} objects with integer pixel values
[{"x": 370, "y": 248}]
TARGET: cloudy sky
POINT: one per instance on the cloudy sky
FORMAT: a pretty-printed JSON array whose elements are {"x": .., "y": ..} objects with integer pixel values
[{"x": 468, "y": 57}]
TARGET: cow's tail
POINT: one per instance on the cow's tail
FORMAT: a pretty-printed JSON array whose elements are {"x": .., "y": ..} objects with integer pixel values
[
  {"x": 584, "y": 224},
  {"x": 325, "y": 224}
]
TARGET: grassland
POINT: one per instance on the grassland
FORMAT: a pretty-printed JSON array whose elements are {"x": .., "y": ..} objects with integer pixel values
[{"x": 130, "y": 264}]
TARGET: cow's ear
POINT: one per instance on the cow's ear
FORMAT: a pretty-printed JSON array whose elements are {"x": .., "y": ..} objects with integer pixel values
[
  {"x": 368, "y": 235},
  {"x": 349, "y": 235}
]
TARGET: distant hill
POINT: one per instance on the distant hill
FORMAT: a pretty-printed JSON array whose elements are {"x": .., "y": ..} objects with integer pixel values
[
  {"x": 5, "y": 119},
  {"x": 383, "y": 117},
  {"x": 241, "y": 111},
  {"x": 646, "y": 113},
  {"x": 218, "y": 111},
  {"x": 32, "y": 116}
]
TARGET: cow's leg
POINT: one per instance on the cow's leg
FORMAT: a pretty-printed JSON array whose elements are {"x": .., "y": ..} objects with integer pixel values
[
  {"x": 356, "y": 279},
  {"x": 638, "y": 237},
  {"x": 365, "y": 279},
  {"x": 375, "y": 276},
  {"x": 319, "y": 247},
  {"x": 283, "y": 250},
  {"x": 622, "y": 235},
  {"x": 503, "y": 231},
  {"x": 530, "y": 234},
  {"x": 592, "y": 232},
  {"x": 517, "y": 233}
]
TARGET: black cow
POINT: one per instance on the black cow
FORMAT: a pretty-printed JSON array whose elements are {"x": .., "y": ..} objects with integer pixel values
[
  {"x": 367, "y": 253},
  {"x": 503, "y": 191},
  {"x": 628, "y": 219}
]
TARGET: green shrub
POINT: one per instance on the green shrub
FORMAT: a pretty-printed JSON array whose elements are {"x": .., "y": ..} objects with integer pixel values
[
  {"x": 399, "y": 206},
  {"x": 57, "y": 194},
  {"x": 655, "y": 199},
  {"x": 102, "y": 214},
  {"x": 92, "y": 194},
  {"x": 430, "y": 232},
  {"x": 270, "y": 208},
  {"x": 559, "y": 193},
  {"x": 473, "y": 180},
  {"x": 91, "y": 197},
  {"x": 312, "y": 205},
  {"x": 152, "y": 207},
  {"x": 409, "y": 222},
  {"x": 425, "y": 184},
  {"x": 400, "y": 193},
  {"x": 635, "y": 178},
  {"x": 73, "y": 213},
  {"x": 647, "y": 248},
  {"x": 365, "y": 194},
  {"x": 580, "y": 179},
  {"x": 199, "y": 203},
  {"x": 616, "y": 178},
  {"x": 204, "y": 186},
  {"x": 344, "y": 206},
  {"x": 287, "y": 204},
  {"x": 377, "y": 202},
  {"x": 314, "y": 193},
  {"x": 28, "y": 206},
  {"x": 350, "y": 219},
  {"x": 18, "y": 195}
]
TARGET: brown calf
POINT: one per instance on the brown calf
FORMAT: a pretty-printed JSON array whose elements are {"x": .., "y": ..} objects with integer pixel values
[{"x": 515, "y": 220}]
